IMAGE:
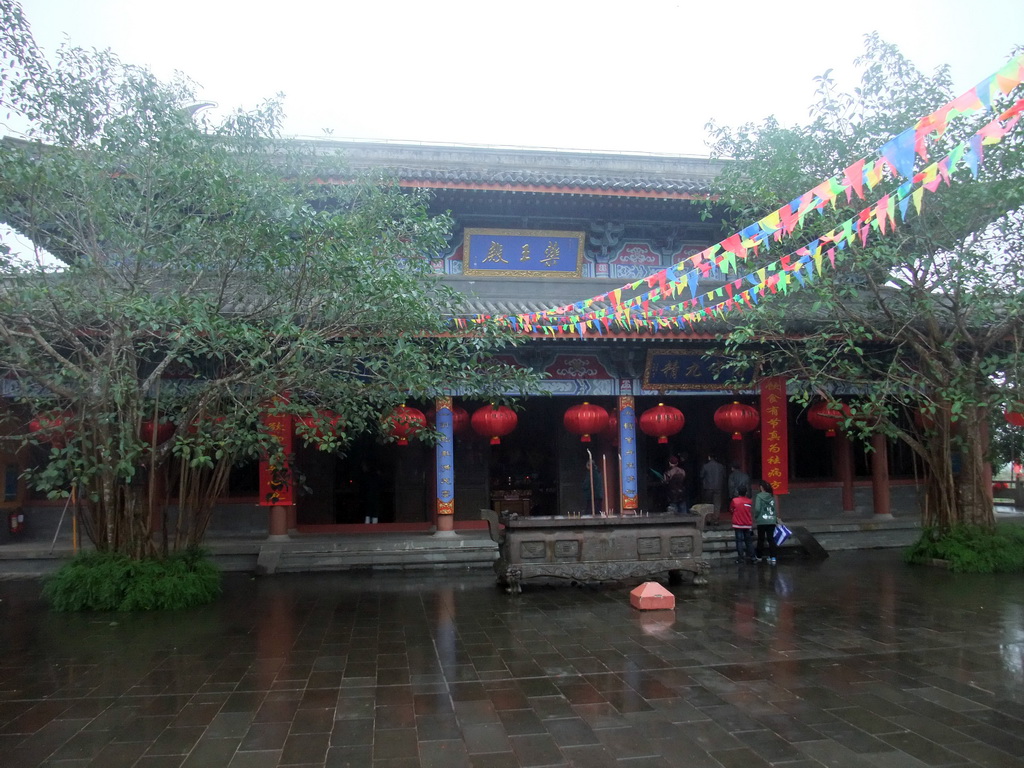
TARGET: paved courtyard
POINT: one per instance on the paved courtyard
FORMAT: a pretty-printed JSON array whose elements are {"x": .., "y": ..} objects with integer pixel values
[{"x": 855, "y": 661}]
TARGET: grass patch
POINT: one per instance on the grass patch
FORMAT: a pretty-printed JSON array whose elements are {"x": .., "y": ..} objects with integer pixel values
[
  {"x": 104, "y": 581},
  {"x": 972, "y": 548}
]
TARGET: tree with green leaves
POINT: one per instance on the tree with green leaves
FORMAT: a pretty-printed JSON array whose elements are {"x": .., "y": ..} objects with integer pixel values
[
  {"x": 209, "y": 276},
  {"x": 921, "y": 330}
]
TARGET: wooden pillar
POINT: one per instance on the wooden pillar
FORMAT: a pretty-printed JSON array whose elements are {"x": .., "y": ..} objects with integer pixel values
[
  {"x": 278, "y": 523},
  {"x": 841, "y": 452},
  {"x": 444, "y": 471},
  {"x": 880, "y": 476}
]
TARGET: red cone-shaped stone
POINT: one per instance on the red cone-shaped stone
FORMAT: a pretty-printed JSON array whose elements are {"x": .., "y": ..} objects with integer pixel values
[{"x": 651, "y": 596}]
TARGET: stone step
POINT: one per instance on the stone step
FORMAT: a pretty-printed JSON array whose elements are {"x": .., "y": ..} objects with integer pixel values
[{"x": 298, "y": 554}]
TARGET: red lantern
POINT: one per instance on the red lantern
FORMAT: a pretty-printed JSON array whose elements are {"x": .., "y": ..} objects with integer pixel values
[
  {"x": 325, "y": 424},
  {"x": 164, "y": 431},
  {"x": 405, "y": 422},
  {"x": 55, "y": 425},
  {"x": 611, "y": 430},
  {"x": 203, "y": 424},
  {"x": 661, "y": 422},
  {"x": 737, "y": 418},
  {"x": 495, "y": 421},
  {"x": 1014, "y": 413},
  {"x": 820, "y": 416},
  {"x": 862, "y": 417},
  {"x": 460, "y": 419},
  {"x": 585, "y": 420}
]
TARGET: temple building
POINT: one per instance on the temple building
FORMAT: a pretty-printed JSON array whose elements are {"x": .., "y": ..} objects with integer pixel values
[{"x": 536, "y": 229}]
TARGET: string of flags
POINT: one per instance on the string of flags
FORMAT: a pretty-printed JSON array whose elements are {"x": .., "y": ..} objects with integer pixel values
[
  {"x": 896, "y": 158},
  {"x": 801, "y": 267}
]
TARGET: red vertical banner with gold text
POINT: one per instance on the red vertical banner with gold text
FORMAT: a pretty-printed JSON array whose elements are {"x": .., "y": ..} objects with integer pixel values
[
  {"x": 775, "y": 434},
  {"x": 276, "y": 487}
]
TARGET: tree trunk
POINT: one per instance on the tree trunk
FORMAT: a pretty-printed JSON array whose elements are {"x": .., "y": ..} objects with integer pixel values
[
  {"x": 957, "y": 479},
  {"x": 975, "y": 482},
  {"x": 934, "y": 448}
]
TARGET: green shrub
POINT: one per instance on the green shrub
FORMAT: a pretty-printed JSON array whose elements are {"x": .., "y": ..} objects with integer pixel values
[
  {"x": 103, "y": 581},
  {"x": 972, "y": 548}
]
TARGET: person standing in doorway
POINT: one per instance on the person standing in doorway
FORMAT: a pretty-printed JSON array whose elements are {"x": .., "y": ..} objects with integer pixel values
[
  {"x": 765, "y": 517},
  {"x": 675, "y": 487},
  {"x": 737, "y": 479},
  {"x": 712, "y": 483}
]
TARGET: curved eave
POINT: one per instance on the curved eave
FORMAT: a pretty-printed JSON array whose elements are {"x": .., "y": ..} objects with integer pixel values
[
  {"x": 484, "y": 186},
  {"x": 553, "y": 190}
]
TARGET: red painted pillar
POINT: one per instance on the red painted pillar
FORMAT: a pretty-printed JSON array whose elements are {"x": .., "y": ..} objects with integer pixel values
[
  {"x": 841, "y": 452},
  {"x": 880, "y": 476}
]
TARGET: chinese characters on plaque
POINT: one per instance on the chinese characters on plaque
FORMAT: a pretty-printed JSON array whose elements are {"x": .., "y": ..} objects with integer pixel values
[
  {"x": 681, "y": 369},
  {"x": 522, "y": 253}
]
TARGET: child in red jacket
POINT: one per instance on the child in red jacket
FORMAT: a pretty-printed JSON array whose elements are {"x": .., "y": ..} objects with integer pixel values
[{"x": 743, "y": 525}]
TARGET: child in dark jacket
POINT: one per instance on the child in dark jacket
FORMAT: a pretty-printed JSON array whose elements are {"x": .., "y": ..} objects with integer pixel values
[
  {"x": 743, "y": 525},
  {"x": 765, "y": 517}
]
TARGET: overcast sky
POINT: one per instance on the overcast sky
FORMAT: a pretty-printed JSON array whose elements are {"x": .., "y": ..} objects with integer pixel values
[{"x": 643, "y": 76}]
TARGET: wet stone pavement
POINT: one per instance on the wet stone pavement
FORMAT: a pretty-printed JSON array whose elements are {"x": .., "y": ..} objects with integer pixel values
[{"x": 858, "y": 660}]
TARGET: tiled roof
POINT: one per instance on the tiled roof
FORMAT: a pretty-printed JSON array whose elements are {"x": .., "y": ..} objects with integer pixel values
[{"x": 553, "y": 171}]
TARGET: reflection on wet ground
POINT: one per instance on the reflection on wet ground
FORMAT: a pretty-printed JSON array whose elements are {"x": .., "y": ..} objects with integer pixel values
[{"x": 855, "y": 661}]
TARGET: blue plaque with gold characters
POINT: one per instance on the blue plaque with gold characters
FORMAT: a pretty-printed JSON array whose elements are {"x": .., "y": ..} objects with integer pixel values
[
  {"x": 522, "y": 253},
  {"x": 681, "y": 370}
]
